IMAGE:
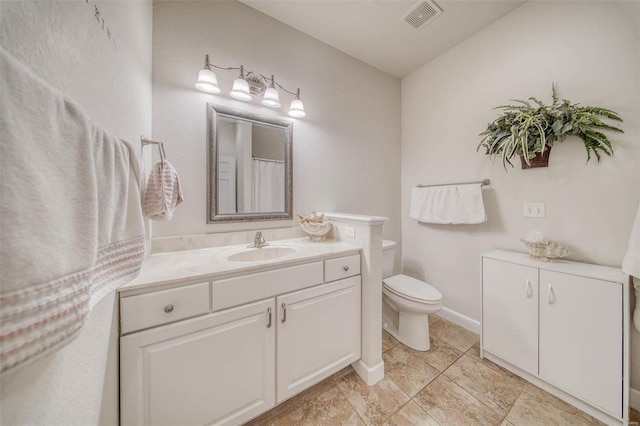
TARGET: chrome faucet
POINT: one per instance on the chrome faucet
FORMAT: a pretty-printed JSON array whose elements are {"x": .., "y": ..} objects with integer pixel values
[{"x": 259, "y": 240}]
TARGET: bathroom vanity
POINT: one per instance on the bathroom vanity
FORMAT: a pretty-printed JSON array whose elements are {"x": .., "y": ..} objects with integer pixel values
[
  {"x": 220, "y": 335},
  {"x": 561, "y": 325}
]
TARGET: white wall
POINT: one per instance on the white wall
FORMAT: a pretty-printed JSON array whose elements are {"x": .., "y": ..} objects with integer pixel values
[
  {"x": 64, "y": 44},
  {"x": 346, "y": 152},
  {"x": 592, "y": 51}
]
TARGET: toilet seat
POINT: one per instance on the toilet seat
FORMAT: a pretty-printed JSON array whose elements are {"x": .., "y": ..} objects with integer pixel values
[{"x": 412, "y": 289}]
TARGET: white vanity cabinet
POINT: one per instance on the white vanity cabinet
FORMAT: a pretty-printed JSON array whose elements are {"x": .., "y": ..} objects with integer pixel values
[
  {"x": 215, "y": 369},
  {"x": 243, "y": 356},
  {"x": 563, "y": 323},
  {"x": 318, "y": 334}
]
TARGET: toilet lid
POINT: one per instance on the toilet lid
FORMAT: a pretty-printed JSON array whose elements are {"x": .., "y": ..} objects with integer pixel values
[{"x": 412, "y": 289}]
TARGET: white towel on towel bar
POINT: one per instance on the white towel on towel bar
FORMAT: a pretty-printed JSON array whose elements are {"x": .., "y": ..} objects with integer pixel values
[
  {"x": 448, "y": 204},
  {"x": 71, "y": 225},
  {"x": 163, "y": 192}
]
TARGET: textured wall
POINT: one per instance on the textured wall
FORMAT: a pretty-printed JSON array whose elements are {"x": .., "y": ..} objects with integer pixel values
[
  {"x": 592, "y": 51},
  {"x": 65, "y": 44},
  {"x": 346, "y": 152}
]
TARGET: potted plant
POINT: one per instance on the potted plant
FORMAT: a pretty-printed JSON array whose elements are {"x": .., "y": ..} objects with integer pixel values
[{"x": 529, "y": 129}]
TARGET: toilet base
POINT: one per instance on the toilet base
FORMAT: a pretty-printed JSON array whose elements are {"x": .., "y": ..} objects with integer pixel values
[{"x": 413, "y": 330}]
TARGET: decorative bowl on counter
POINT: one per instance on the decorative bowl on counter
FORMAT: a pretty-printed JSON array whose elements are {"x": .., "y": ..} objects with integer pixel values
[{"x": 316, "y": 226}]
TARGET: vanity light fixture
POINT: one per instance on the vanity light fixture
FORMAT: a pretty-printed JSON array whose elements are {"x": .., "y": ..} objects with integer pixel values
[
  {"x": 207, "y": 80},
  {"x": 247, "y": 84},
  {"x": 271, "y": 96},
  {"x": 297, "y": 107},
  {"x": 240, "y": 88}
]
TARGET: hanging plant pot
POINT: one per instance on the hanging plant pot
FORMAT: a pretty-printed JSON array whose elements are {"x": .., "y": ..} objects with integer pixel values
[
  {"x": 522, "y": 125},
  {"x": 540, "y": 160}
]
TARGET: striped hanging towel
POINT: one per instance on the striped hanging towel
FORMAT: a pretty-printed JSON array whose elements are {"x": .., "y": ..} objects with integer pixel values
[
  {"x": 163, "y": 192},
  {"x": 71, "y": 226}
]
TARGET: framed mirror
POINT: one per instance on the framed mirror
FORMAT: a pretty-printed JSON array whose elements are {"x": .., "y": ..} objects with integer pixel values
[{"x": 249, "y": 174}]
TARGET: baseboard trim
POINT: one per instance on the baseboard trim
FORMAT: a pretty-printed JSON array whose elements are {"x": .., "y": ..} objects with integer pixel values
[
  {"x": 634, "y": 399},
  {"x": 370, "y": 375},
  {"x": 459, "y": 319}
]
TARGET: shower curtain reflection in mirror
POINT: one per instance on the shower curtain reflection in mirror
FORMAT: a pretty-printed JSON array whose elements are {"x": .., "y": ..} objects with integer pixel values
[{"x": 267, "y": 192}]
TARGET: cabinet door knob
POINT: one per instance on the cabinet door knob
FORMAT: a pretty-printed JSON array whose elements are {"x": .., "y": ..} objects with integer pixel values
[
  {"x": 529, "y": 289},
  {"x": 168, "y": 309},
  {"x": 269, "y": 312},
  {"x": 284, "y": 312},
  {"x": 346, "y": 268}
]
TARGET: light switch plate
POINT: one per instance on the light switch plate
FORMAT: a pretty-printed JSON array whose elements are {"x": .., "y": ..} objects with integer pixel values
[
  {"x": 536, "y": 210},
  {"x": 349, "y": 232}
]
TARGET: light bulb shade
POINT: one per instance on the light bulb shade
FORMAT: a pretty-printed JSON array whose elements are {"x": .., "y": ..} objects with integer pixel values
[
  {"x": 240, "y": 90},
  {"x": 271, "y": 98},
  {"x": 297, "y": 109},
  {"x": 207, "y": 81}
]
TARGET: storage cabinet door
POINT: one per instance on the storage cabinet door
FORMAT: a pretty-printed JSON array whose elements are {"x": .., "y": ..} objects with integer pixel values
[
  {"x": 581, "y": 337},
  {"x": 318, "y": 334},
  {"x": 510, "y": 313},
  {"x": 215, "y": 369}
]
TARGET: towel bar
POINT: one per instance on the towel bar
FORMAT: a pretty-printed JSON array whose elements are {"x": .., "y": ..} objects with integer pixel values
[{"x": 484, "y": 182}]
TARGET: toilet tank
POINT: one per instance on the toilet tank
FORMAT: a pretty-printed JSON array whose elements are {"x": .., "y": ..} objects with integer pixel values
[{"x": 388, "y": 257}]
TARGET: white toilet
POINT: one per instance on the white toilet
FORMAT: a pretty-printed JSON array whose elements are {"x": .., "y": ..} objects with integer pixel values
[{"x": 406, "y": 303}]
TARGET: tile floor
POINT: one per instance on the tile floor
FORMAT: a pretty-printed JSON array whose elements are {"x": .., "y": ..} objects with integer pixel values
[{"x": 448, "y": 385}]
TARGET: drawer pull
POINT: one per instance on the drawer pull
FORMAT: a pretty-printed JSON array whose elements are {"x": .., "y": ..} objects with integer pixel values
[
  {"x": 552, "y": 296},
  {"x": 284, "y": 312},
  {"x": 168, "y": 309},
  {"x": 269, "y": 312},
  {"x": 529, "y": 289},
  {"x": 346, "y": 268}
]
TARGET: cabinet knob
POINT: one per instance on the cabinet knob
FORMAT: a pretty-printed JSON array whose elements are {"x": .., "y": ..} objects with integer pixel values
[
  {"x": 168, "y": 309},
  {"x": 346, "y": 268}
]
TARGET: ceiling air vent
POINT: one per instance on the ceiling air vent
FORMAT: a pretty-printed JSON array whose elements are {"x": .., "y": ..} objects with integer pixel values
[{"x": 421, "y": 14}]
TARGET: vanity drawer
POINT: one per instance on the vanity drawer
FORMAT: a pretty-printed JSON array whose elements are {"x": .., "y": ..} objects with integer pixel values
[
  {"x": 247, "y": 288},
  {"x": 342, "y": 267},
  {"x": 161, "y": 307}
]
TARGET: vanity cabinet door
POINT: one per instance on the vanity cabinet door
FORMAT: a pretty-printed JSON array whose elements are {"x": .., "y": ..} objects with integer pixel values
[
  {"x": 215, "y": 369},
  {"x": 581, "y": 337},
  {"x": 318, "y": 334},
  {"x": 510, "y": 313}
]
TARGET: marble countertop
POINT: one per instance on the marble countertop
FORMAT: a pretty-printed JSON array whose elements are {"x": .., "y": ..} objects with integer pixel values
[{"x": 189, "y": 265}]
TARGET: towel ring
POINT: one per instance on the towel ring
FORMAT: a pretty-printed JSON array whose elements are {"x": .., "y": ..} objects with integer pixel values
[{"x": 146, "y": 141}]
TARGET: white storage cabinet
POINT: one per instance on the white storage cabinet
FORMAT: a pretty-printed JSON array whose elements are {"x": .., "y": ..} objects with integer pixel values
[
  {"x": 560, "y": 324},
  {"x": 230, "y": 365}
]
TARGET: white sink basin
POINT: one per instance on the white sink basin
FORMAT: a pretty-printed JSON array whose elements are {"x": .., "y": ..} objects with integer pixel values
[{"x": 262, "y": 253}]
